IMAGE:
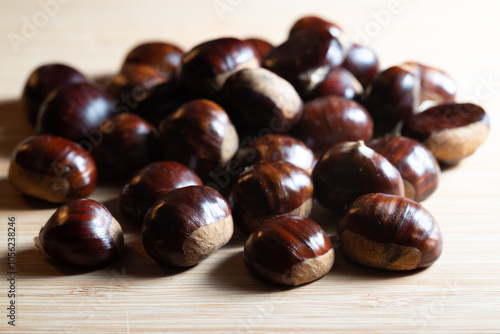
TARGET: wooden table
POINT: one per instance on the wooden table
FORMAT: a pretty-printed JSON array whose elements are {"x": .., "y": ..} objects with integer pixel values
[{"x": 459, "y": 293}]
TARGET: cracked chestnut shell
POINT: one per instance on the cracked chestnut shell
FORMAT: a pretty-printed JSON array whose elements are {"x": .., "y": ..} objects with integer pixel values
[
  {"x": 152, "y": 183},
  {"x": 199, "y": 135},
  {"x": 416, "y": 164},
  {"x": 329, "y": 120},
  {"x": 82, "y": 233},
  {"x": 53, "y": 169},
  {"x": 187, "y": 226},
  {"x": 451, "y": 131},
  {"x": 390, "y": 232},
  {"x": 270, "y": 188},
  {"x": 362, "y": 62},
  {"x": 205, "y": 68},
  {"x": 289, "y": 250},
  {"x": 349, "y": 170}
]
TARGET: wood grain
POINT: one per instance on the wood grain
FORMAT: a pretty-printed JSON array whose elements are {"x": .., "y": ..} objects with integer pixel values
[{"x": 460, "y": 293}]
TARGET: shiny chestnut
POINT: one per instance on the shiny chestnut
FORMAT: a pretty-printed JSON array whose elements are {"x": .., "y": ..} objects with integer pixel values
[
  {"x": 329, "y": 120},
  {"x": 187, "y": 226},
  {"x": 205, "y": 68},
  {"x": 262, "y": 99},
  {"x": 42, "y": 81},
  {"x": 152, "y": 183},
  {"x": 128, "y": 143},
  {"x": 340, "y": 82},
  {"x": 82, "y": 233},
  {"x": 351, "y": 169},
  {"x": 315, "y": 23},
  {"x": 74, "y": 112},
  {"x": 451, "y": 131},
  {"x": 261, "y": 46},
  {"x": 270, "y": 188},
  {"x": 362, "y": 62},
  {"x": 289, "y": 250},
  {"x": 390, "y": 232},
  {"x": 199, "y": 135},
  {"x": 53, "y": 169},
  {"x": 416, "y": 164}
]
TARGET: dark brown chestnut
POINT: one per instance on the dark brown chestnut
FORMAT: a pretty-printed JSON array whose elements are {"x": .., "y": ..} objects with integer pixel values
[
  {"x": 152, "y": 183},
  {"x": 128, "y": 143},
  {"x": 289, "y": 250},
  {"x": 199, "y": 135},
  {"x": 305, "y": 59},
  {"x": 187, "y": 226},
  {"x": 53, "y": 169},
  {"x": 316, "y": 23},
  {"x": 82, "y": 233},
  {"x": 270, "y": 188},
  {"x": 349, "y": 170},
  {"x": 362, "y": 62},
  {"x": 390, "y": 232},
  {"x": 340, "y": 82},
  {"x": 329, "y": 120},
  {"x": 205, "y": 68},
  {"x": 451, "y": 131},
  {"x": 435, "y": 84},
  {"x": 262, "y": 99},
  {"x": 416, "y": 164},
  {"x": 42, "y": 81},
  {"x": 74, "y": 112},
  {"x": 261, "y": 46}
]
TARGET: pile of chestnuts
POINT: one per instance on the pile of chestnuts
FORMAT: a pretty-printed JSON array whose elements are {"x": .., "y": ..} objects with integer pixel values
[{"x": 245, "y": 131}]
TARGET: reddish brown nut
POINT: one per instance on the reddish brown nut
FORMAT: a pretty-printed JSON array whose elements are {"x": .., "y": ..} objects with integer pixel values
[
  {"x": 42, "y": 82},
  {"x": 152, "y": 183},
  {"x": 53, "y": 169},
  {"x": 289, "y": 250},
  {"x": 451, "y": 131},
  {"x": 362, "y": 62},
  {"x": 127, "y": 143},
  {"x": 305, "y": 59},
  {"x": 270, "y": 188},
  {"x": 199, "y": 135},
  {"x": 435, "y": 84},
  {"x": 349, "y": 170},
  {"x": 261, "y": 46},
  {"x": 206, "y": 67},
  {"x": 262, "y": 99},
  {"x": 340, "y": 82},
  {"x": 393, "y": 97},
  {"x": 315, "y": 23},
  {"x": 329, "y": 120},
  {"x": 82, "y": 233},
  {"x": 74, "y": 112},
  {"x": 187, "y": 226},
  {"x": 390, "y": 232},
  {"x": 416, "y": 164}
]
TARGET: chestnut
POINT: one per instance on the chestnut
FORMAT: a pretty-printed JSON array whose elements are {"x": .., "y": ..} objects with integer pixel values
[
  {"x": 261, "y": 46},
  {"x": 187, "y": 226},
  {"x": 267, "y": 189},
  {"x": 329, "y": 120},
  {"x": 128, "y": 143},
  {"x": 362, "y": 62},
  {"x": 390, "y": 232},
  {"x": 199, "y": 135},
  {"x": 340, "y": 82},
  {"x": 42, "y": 81},
  {"x": 316, "y": 23},
  {"x": 205, "y": 68},
  {"x": 262, "y": 99},
  {"x": 451, "y": 131},
  {"x": 416, "y": 164},
  {"x": 305, "y": 59},
  {"x": 82, "y": 233},
  {"x": 52, "y": 168},
  {"x": 349, "y": 170},
  {"x": 152, "y": 183},
  {"x": 74, "y": 112},
  {"x": 289, "y": 250}
]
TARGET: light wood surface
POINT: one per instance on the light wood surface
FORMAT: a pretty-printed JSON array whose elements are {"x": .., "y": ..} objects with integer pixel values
[{"x": 460, "y": 293}]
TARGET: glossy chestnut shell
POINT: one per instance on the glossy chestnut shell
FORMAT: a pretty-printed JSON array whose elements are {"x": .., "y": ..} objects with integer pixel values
[
  {"x": 362, "y": 62},
  {"x": 82, "y": 233},
  {"x": 289, "y": 250},
  {"x": 186, "y": 226},
  {"x": 315, "y": 23},
  {"x": 152, "y": 183},
  {"x": 165, "y": 57},
  {"x": 53, "y": 169},
  {"x": 340, "y": 82},
  {"x": 390, "y": 232},
  {"x": 261, "y": 46}
]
